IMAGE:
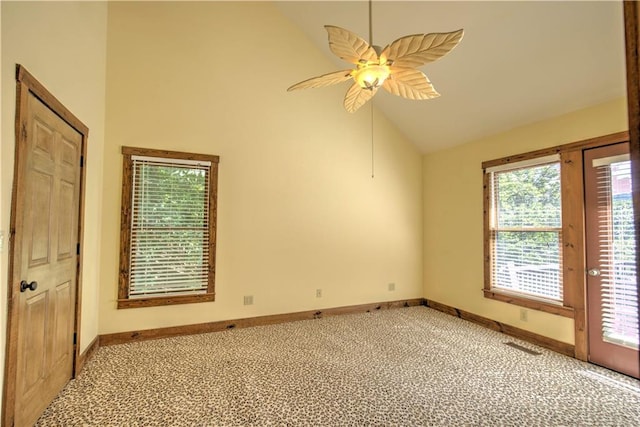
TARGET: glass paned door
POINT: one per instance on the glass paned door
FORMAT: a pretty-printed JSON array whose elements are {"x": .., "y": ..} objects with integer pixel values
[{"x": 612, "y": 291}]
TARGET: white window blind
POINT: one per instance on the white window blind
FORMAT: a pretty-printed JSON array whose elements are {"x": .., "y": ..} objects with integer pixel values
[
  {"x": 169, "y": 227},
  {"x": 526, "y": 229},
  {"x": 616, "y": 239}
]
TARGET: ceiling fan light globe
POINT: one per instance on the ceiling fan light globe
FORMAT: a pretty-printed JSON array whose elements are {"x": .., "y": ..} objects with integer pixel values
[{"x": 371, "y": 76}]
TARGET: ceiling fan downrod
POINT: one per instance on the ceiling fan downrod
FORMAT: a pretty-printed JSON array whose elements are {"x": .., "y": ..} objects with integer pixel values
[{"x": 378, "y": 49}]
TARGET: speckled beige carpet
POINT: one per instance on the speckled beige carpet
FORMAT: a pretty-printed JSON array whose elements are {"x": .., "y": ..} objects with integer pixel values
[{"x": 404, "y": 367}]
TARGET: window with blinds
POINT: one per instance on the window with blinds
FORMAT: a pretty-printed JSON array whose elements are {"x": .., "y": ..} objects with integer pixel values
[
  {"x": 616, "y": 240},
  {"x": 525, "y": 228},
  {"x": 168, "y": 227}
]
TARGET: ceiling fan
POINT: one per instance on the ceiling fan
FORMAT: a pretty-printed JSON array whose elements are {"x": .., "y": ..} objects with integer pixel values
[{"x": 394, "y": 67}]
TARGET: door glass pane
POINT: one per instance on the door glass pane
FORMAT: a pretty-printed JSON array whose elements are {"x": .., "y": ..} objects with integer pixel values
[{"x": 617, "y": 248}]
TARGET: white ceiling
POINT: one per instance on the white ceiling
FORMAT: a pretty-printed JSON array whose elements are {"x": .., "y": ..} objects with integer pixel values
[{"x": 518, "y": 63}]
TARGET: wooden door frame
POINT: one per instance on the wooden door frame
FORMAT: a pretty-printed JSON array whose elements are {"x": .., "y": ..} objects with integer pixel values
[{"x": 26, "y": 84}]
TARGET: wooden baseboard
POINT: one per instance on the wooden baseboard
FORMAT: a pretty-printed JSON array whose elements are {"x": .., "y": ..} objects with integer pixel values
[
  {"x": 149, "y": 334},
  {"x": 542, "y": 341},
  {"x": 86, "y": 355}
]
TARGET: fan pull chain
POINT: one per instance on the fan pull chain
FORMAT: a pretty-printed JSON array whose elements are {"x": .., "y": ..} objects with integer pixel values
[
  {"x": 372, "y": 161},
  {"x": 371, "y": 103}
]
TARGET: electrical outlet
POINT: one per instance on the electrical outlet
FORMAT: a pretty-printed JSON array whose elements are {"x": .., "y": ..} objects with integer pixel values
[
  {"x": 248, "y": 300},
  {"x": 524, "y": 315},
  {"x": 318, "y": 293},
  {"x": 1, "y": 240},
  {"x": 392, "y": 286}
]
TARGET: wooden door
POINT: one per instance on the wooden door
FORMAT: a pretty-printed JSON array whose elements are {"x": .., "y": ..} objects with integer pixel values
[
  {"x": 632, "y": 44},
  {"x": 45, "y": 248},
  {"x": 612, "y": 299}
]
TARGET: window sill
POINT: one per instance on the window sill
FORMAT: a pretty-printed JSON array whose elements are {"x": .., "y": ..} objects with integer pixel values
[
  {"x": 164, "y": 300},
  {"x": 531, "y": 303}
]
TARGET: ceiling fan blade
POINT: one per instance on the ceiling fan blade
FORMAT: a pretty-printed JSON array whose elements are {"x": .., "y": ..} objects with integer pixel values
[
  {"x": 324, "y": 80},
  {"x": 409, "y": 83},
  {"x": 356, "y": 97},
  {"x": 419, "y": 49},
  {"x": 349, "y": 46}
]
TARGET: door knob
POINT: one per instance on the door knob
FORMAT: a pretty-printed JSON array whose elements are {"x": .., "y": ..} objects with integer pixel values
[
  {"x": 593, "y": 272},
  {"x": 24, "y": 286}
]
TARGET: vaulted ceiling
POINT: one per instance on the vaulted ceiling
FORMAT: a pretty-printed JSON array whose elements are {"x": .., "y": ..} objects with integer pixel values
[{"x": 518, "y": 63}]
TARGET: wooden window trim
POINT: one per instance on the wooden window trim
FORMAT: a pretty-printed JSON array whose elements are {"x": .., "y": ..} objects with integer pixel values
[
  {"x": 585, "y": 144},
  {"x": 528, "y": 302},
  {"x": 125, "y": 230},
  {"x": 573, "y": 262}
]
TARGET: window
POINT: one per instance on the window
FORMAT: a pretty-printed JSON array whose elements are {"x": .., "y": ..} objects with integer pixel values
[
  {"x": 525, "y": 225},
  {"x": 168, "y": 225},
  {"x": 523, "y": 232}
]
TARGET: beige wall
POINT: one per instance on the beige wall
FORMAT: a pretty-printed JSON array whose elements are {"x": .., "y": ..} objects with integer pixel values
[
  {"x": 453, "y": 230},
  {"x": 64, "y": 46},
  {"x": 297, "y": 208}
]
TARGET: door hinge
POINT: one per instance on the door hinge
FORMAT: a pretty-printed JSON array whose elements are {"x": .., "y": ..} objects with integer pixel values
[
  {"x": 75, "y": 338},
  {"x": 81, "y": 161},
  {"x": 77, "y": 248}
]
